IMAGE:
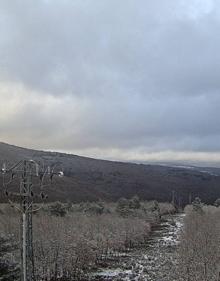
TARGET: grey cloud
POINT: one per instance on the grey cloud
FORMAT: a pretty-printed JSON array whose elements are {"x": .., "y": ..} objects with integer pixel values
[
  {"x": 184, "y": 123},
  {"x": 97, "y": 47},
  {"x": 148, "y": 72}
]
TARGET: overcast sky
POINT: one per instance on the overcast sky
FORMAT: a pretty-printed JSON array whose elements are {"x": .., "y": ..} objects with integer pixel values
[{"x": 133, "y": 80}]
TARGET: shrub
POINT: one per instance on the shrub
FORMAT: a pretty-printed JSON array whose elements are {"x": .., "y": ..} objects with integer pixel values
[
  {"x": 217, "y": 202},
  {"x": 57, "y": 209},
  {"x": 134, "y": 202},
  {"x": 8, "y": 268}
]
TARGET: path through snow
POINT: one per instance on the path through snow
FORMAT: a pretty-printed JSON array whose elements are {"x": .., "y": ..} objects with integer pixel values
[{"x": 155, "y": 262}]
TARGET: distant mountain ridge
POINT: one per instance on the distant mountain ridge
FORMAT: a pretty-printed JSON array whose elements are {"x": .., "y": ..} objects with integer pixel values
[{"x": 88, "y": 179}]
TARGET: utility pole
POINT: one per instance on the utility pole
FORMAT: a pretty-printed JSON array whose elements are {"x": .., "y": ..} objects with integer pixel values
[
  {"x": 30, "y": 177},
  {"x": 180, "y": 202},
  {"x": 173, "y": 198},
  {"x": 190, "y": 198},
  {"x": 26, "y": 206}
]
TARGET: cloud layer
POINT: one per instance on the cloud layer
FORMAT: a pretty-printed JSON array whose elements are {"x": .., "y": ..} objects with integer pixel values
[{"x": 130, "y": 80}]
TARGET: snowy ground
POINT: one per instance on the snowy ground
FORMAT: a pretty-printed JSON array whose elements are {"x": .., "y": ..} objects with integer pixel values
[{"x": 155, "y": 262}]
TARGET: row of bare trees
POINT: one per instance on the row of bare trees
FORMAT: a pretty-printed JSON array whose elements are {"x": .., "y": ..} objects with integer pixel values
[
  {"x": 73, "y": 245},
  {"x": 199, "y": 249},
  {"x": 72, "y": 240}
]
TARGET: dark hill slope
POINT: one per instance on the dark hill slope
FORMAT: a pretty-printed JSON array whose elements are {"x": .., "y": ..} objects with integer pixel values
[{"x": 91, "y": 179}]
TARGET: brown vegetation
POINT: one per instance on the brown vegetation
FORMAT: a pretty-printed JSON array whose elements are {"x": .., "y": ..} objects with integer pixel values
[
  {"x": 199, "y": 249},
  {"x": 76, "y": 239}
]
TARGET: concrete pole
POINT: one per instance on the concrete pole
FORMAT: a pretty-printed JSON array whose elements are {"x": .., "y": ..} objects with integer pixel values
[
  {"x": 24, "y": 247},
  {"x": 24, "y": 224},
  {"x": 190, "y": 198},
  {"x": 173, "y": 197}
]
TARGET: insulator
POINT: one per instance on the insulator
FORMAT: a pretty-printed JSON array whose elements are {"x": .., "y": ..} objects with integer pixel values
[
  {"x": 41, "y": 177},
  {"x": 42, "y": 195},
  {"x": 4, "y": 169}
]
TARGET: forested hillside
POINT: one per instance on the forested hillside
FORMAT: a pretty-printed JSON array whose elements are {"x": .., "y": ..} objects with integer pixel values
[{"x": 88, "y": 179}]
